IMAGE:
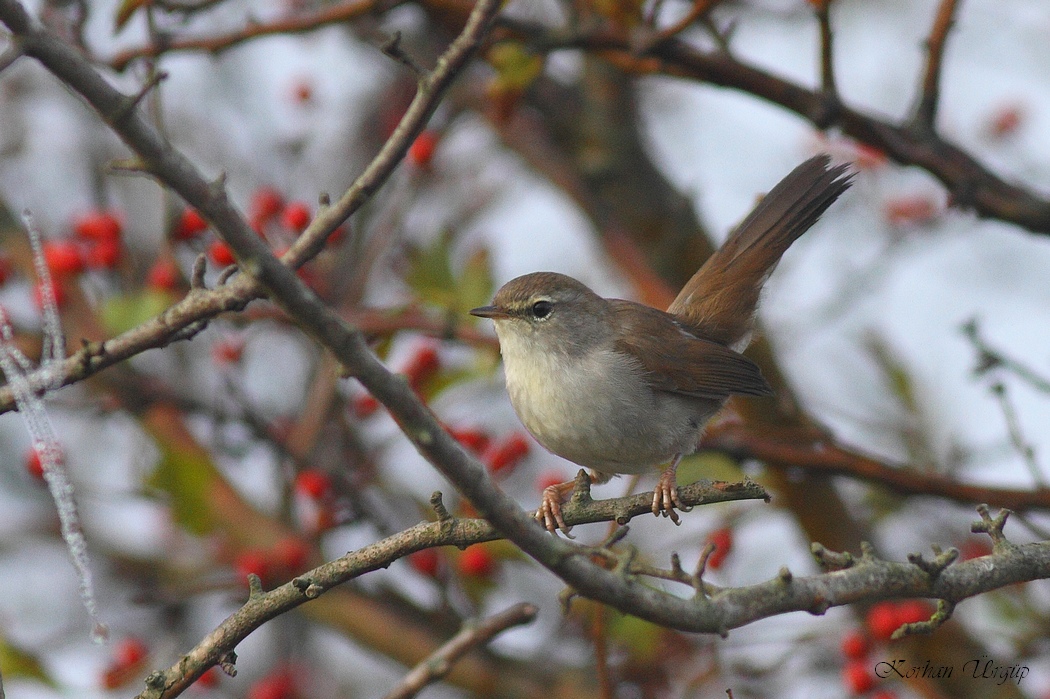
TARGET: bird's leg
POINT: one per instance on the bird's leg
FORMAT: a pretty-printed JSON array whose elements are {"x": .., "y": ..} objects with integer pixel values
[
  {"x": 665, "y": 496},
  {"x": 549, "y": 512}
]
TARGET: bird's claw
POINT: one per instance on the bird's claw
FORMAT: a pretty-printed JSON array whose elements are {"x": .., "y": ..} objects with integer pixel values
[
  {"x": 549, "y": 512},
  {"x": 666, "y": 499}
]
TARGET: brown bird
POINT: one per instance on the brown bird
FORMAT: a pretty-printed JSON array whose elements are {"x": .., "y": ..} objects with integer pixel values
[{"x": 619, "y": 387}]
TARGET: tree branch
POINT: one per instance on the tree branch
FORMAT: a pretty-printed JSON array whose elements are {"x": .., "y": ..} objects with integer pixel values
[
  {"x": 472, "y": 635},
  {"x": 799, "y": 451},
  {"x": 926, "y": 110},
  {"x": 341, "y": 12}
]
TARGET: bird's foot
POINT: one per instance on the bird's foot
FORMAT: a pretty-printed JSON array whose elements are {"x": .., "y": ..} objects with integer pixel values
[
  {"x": 549, "y": 513},
  {"x": 665, "y": 496}
]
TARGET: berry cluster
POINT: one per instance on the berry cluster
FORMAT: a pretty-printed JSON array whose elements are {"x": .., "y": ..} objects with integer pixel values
[{"x": 880, "y": 622}]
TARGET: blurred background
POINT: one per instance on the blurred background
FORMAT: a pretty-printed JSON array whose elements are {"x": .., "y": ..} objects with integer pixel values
[{"x": 909, "y": 333}]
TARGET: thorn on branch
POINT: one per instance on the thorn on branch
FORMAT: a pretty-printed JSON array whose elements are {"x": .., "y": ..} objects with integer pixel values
[
  {"x": 439, "y": 507},
  {"x": 392, "y": 47},
  {"x": 225, "y": 274},
  {"x": 228, "y": 663},
  {"x": 992, "y": 526},
  {"x": 255, "y": 587},
  {"x": 933, "y": 568},
  {"x": 130, "y": 103},
  {"x": 943, "y": 614},
  {"x": 581, "y": 489},
  {"x": 830, "y": 560},
  {"x": 785, "y": 575},
  {"x": 200, "y": 267}
]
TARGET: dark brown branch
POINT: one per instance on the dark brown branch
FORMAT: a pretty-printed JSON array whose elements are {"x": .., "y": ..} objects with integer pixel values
[
  {"x": 795, "y": 451},
  {"x": 970, "y": 183},
  {"x": 341, "y": 12},
  {"x": 471, "y": 636},
  {"x": 929, "y": 98},
  {"x": 827, "y": 60}
]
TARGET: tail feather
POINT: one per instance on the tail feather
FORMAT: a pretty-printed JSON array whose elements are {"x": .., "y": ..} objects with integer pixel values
[{"x": 720, "y": 299}]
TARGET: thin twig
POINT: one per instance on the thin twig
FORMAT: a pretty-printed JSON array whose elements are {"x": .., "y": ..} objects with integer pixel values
[
  {"x": 926, "y": 111},
  {"x": 827, "y": 59},
  {"x": 699, "y": 10},
  {"x": 1017, "y": 438},
  {"x": 472, "y": 635},
  {"x": 335, "y": 14}
]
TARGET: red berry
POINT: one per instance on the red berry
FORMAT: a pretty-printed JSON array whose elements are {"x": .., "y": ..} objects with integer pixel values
[
  {"x": 722, "y": 538},
  {"x": 251, "y": 561},
  {"x": 975, "y": 548},
  {"x": 267, "y": 202},
  {"x": 869, "y": 157},
  {"x": 505, "y": 454},
  {"x": 296, "y": 216},
  {"x": 364, "y": 405},
  {"x": 103, "y": 254},
  {"x": 913, "y": 611},
  {"x": 56, "y": 290},
  {"x": 220, "y": 253},
  {"x": 63, "y": 258},
  {"x": 1006, "y": 121},
  {"x": 423, "y": 364},
  {"x": 855, "y": 645},
  {"x": 291, "y": 554},
  {"x": 303, "y": 92},
  {"x": 228, "y": 351},
  {"x": 426, "y": 562},
  {"x": 129, "y": 651},
  {"x": 209, "y": 679},
  {"x": 97, "y": 226},
  {"x": 163, "y": 275},
  {"x": 549, "y": 478},
  {"x": 475, "y": 440},
  {"x": 882, "y": 620},
  {"x": 313, "y": 483},
  {"x": 421, "y": 152},
  {"x": 857, "y": 677},
  {"x": 276, "y": 685},
  {"x": 476, "y": 562},
  {"x": 35, "y": 464},
  {"x": 909, "y": 210},
  {"x": 191, "y": 224}
]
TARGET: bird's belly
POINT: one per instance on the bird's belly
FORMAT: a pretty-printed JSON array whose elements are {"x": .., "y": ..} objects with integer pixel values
[{"x": 609, "y": 421}]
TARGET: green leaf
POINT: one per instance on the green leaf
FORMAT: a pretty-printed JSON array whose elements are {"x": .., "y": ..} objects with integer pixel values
[
  {"x": 122, "y": 313},
  {"x": 15, "y": 662},
  {"x": 187, "y": 477},
  {"x": 432, "y": 277},
  {"x": 430, "y": 272}
]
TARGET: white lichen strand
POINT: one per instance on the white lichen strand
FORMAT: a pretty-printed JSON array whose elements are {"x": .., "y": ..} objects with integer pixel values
[{"x": 30, "y": 387}]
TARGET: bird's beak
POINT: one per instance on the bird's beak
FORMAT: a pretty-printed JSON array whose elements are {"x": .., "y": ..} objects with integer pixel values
[{"x": 493, "y": 312}]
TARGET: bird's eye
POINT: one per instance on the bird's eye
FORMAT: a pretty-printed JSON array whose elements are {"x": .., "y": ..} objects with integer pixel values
[{"x": 542, "y": 309}]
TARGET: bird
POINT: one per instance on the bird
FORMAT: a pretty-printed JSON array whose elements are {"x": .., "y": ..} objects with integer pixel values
[{"x": 619, "y": 387}]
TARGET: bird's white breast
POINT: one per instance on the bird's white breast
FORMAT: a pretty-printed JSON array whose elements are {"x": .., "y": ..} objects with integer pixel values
[{"x": 595, "y": 408}]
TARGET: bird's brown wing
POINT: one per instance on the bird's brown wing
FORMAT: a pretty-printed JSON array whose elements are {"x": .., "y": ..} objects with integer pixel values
[{"x": 678, "y": 361}]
